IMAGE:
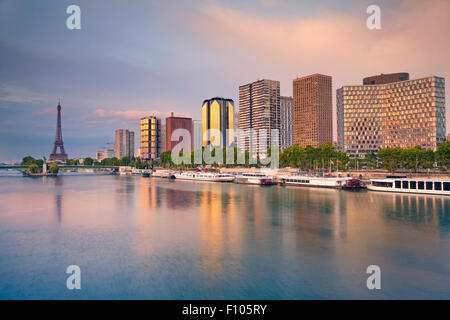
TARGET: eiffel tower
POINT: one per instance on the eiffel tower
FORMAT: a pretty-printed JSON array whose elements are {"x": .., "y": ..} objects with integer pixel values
[{"x": 62, "y": 156}]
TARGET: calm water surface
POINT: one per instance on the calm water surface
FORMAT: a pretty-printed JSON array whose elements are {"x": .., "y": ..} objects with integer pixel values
[{"x": 151, "y": 238}]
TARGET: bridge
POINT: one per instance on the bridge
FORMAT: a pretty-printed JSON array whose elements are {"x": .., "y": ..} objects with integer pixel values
[{"x": 25, "y": 167}]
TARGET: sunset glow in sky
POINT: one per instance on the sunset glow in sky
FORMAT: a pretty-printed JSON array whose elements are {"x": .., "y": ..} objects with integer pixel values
[{"x": 139, "y": 58}]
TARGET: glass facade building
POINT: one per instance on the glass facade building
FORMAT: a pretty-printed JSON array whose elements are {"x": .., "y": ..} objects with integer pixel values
[
  {"x": 286, "y": 122},
  {"x": 218, "y": 114},
  {"x": 124, "y": 143},
  {"x": 259, "y": 109},
  {"x": 150, "y": 138},
  {"x": 399, "y": 114}
]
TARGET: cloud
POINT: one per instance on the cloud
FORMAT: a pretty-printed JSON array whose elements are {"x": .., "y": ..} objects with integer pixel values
[
  {"x": 99, "y": 115},
  {"x": 252, "y": 46},
  {"x": 17, "y": 94},
  {"x": 337, "y": 44}
]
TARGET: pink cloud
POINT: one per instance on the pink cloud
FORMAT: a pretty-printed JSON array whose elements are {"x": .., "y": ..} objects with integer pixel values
[
  {"x": 127, "y": 115},
  {"x": 413, "y": 39}
]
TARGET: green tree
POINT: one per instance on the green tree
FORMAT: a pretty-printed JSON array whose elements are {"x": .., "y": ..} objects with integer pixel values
[
  {"x": 88, "y": 161},
  {"x": 28, "y": 160},
  {"x": 54, "y": 168},
  {"x": 443, "y": 154},
  {"x": 33, "y": 168}
]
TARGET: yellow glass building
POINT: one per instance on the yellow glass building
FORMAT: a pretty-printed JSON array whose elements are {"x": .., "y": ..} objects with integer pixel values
[
  {"x": 150, "y": 128},
  {"x": 218, "y": 114},
  {"x": 399, "y": 114}
]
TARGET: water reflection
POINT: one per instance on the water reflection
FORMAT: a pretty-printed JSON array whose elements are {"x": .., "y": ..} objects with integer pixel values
[{"x": 173, "y": 239}]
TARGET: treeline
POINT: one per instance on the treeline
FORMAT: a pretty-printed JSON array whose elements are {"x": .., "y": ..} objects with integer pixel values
[
  {"x": 326, "y": 157},
  {"x": 125, "y": 161},
  {"x": 35, "y": 165},
  {"x": 308, "y": 158},
  {"x": 415, "y": 158}
]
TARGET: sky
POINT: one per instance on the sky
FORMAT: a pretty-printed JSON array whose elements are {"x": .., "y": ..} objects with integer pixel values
[{"x": 140, "y": 58}]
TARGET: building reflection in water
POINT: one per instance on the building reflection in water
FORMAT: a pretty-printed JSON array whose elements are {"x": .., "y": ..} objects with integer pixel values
[
  {"x": 59, "y": 189},
  {"x": 150, "y": 194},
  {"x": 423, "y": 210},
  {"x": 124, "y": 191},
  {"x": 220, "y": 231}
]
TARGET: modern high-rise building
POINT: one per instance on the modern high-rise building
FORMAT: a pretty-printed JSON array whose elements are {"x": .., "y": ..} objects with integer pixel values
[
  {"x": 174, "y": 123},
  {"x": 124, "y": 143},
  {"x": 286, "y": 123},
  {"x": 236, "y": 127},
  {"x": 100, "y": 155},
  {"x": 312, "y": 110},
  {"x": 150, "y": 138},
  {"x": 259, "y": 109},
  {"x": 109, "y": 153},
  {"x": 218, "y": 114},
  {"x": 197, "y": 125},
  {"x": 163, "y": 139},
  {"x": 398, "y": 114}
]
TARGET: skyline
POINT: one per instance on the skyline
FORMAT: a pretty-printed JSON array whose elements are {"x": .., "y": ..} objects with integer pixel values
[{"x": 116, "y": 70}]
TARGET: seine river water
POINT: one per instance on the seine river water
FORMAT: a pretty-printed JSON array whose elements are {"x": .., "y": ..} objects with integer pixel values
[{"x": 150, "y": 238}]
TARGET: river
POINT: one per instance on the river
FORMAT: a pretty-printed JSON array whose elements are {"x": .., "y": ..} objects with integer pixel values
[{"x": 151, "y": 238}]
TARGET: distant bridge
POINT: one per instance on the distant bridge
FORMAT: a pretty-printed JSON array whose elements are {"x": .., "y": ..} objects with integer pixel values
[{"x": 24, "y": 167}]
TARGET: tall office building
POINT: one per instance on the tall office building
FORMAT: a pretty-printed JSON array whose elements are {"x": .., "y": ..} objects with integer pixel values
[
  {"x": 124, "y": 143},
  {"x": 150, "y": 138},
  {"x": 218, "y": 114},
  {"x": 312, "y": 110},
  {"x": 259, "y": 109},
  {"x": 398, "y": 114},
  {"x": 174, "y": 123},
  {"x": 163, "y": 139},
  {"x": 100, "y": 155},
  {"x": 286, "y": 123},
  {"x": 236, "y": 127},
  {"x": 197, "y": 128},
  {"x": 109, "y": 153}
]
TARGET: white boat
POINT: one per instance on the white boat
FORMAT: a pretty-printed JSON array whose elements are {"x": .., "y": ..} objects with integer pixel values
[
  {"x": 322, "y": 182},
  {"x": 204, "y": 176},
  {"x": 163, "y": 174},
  {"x": 254, "y": 178},
  {"x": 411, "y": 185}
]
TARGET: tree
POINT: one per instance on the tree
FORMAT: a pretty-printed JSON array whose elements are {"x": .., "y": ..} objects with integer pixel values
[
  {"x": 88, "y": 161},
  {"x": 390, "y": 158},
  {"x": 54, "y": 168},
  {"x": 33, "y": 168},
  {"x": 28, "y": 160},
  {"x": 443, "y": 154}
]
